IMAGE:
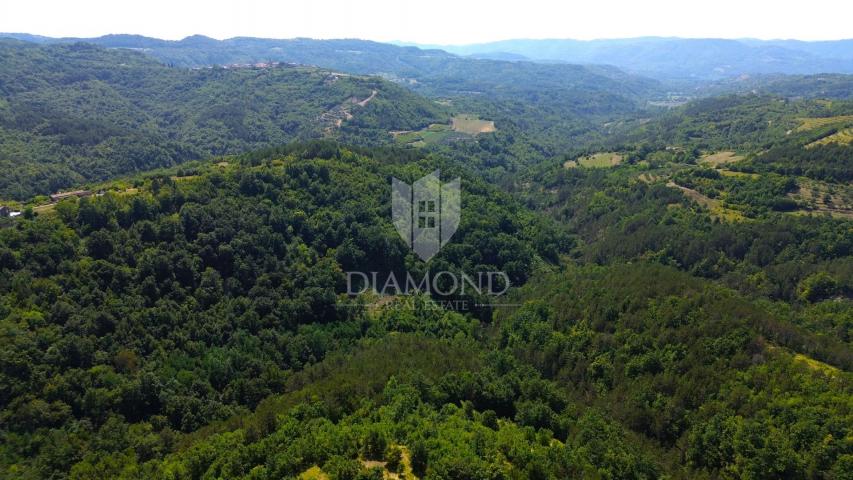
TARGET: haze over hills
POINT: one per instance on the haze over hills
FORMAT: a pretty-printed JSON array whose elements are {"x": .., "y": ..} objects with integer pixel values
[
  {"x": 421, "y": 68},
  {"x": 483, "y": 68},
  {"x": 681, "y": 58}
]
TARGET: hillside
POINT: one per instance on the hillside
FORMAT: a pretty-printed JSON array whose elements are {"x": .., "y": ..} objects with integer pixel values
[
  {"x": 627, "y": 282},
  {"x": 683, "y": 58},
  {"x": 434, "y": 72},
  {"x": 152, "y": 115},
  {"x": 71, "y": 114},
  {"x": 199, "y": 295},
  {"x": 745, "y": 122},
  {"x": 192, "y": 325},
  {"x": 740, "y": 156}
]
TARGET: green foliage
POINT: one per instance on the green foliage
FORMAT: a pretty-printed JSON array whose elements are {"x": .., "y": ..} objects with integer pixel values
[
  {"x": 79, "y": 113},
  {"x": 687, "y": 364},
  {"x": 619, "y": 218},
  {"x": 191, "y": 322},
  {"x": 832, "y": 162},
  {"x": 190, "y": 301},
  {"x": 819, "y": 286}
]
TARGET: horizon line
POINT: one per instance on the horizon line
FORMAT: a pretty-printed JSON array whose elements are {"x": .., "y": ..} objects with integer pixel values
[{"x": 427, "y": 44}]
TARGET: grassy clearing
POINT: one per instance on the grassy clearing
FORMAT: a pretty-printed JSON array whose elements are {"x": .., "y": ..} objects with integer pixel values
[
  {"x": 842, "y": 137},
  {"x": 841, "y": 215},
  {"x": 317, "y": 473},
  {"x": 128, "y": 191},
  {"x": 185, "y": 178},
  {"x": 435, "y": 133},
  {"x": 13, "y": 204},
  {"x": 598, "y": 160},
  {"x": 45, "y": 209},
  {"x": 812, "y": 123},
  {"x": 460, "y": 126},
  {"x": 714, "y": 206},
  {"x": 405, "y": 461},
  {"x": 731, "y": 173},
  {"x": 821, "y": 197},
  {"x": 816, "y": 365},
  {"x": 720, "y": 158},
  {"x": 313, "y": 473},
  {"x": 471, "y": 124}
]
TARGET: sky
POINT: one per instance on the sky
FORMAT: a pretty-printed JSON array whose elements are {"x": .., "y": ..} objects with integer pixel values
[{"x": 438, "y": 22}]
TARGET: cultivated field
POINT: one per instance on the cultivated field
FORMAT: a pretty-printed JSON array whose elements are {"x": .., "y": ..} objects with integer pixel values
[
  {"x": 719, "y": 158},
  {"x": 435, "y": 133},
  {"x": 461, "y": 126},
  {"x": 822, "y": 197},
  {"x": 598, "y": 160},
  {"x": 471, "y": 124},
  {"x": 843, "y": 137},
  {"x": 812, "y": 123}
]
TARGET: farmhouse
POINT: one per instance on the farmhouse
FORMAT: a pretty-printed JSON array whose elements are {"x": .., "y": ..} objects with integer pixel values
[{"x": 63, "y": 195}]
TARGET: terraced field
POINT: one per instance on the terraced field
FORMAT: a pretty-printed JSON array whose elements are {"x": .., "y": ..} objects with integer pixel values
[
  {"x": 812, "y": 123},
  {"x": 843, "y": 137},
  {"x": 822, "y": 197}
]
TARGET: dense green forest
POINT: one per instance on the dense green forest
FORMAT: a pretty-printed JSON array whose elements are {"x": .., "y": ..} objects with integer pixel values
[
  {"x": 747, "y": 122},
  {"x": 681, "y": 297},
  {"x": 193, "y": 326},
  {"x": 225, "y": 282},
  {"x": 76, "y": 113},
  {"x": 71, "y": 114}
]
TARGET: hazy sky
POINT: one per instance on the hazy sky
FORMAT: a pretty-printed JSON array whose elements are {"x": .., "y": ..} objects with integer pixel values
[{"x": 432, "y": 21}]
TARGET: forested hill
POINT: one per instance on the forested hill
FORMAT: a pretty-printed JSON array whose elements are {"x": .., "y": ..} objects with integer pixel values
[
  {"x": 196, "y": 296},
  {"x": 77, "y": 112},
  {"x": 682, "y": 278},
  {"x": 190, "y": 324},
  {"x": 746, "y": 123},
  {"x": 596, "y": 88}
]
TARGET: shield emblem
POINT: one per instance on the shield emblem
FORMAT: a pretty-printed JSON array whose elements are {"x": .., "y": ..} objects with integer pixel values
[{"x": 426, "y": 214}]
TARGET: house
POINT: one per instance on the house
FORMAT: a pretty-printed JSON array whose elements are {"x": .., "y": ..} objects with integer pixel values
[
  {"x": 63, "y": 195},
  {"x": 6, "y": 212}
]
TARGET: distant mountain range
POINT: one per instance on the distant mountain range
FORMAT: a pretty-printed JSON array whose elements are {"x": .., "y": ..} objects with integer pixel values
[
  {"x": 660, "y": 58},
  {"x": 590, "y": 89},
  {"x": 679, "y": 58}
]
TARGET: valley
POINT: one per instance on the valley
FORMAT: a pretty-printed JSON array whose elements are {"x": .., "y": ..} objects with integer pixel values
[{"x": 174, "y": 297}]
